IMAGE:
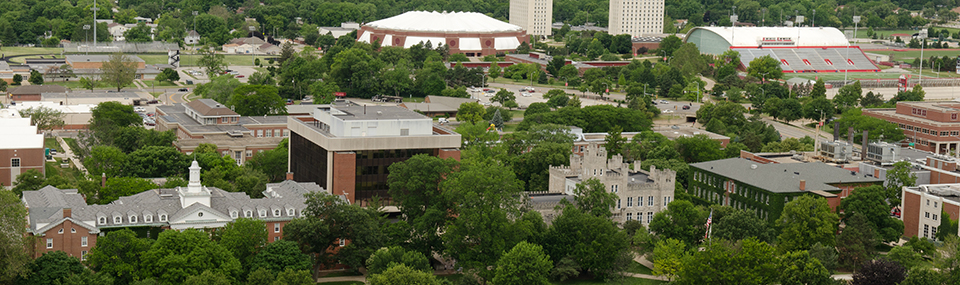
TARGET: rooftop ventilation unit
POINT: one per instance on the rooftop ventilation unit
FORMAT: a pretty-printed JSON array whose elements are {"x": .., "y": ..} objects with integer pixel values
[
  {"x": 883, "y": 153},
  {"x": 836, "y": 151}
]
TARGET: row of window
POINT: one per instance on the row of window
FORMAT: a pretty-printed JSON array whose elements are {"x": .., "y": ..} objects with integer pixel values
[
  {"x": 927, "y": 233},
  {"x": 929, "y": 131},
  {"x": 666, "y": 200},
  {"x": 640, "y": 217},
  {"x": 262, "y": 213},
  {"x": 273, "y": 133},
  {"x": 927, "y": 215},
  {"x": 83, "y": 241},
  {"x": 132, "y": 219}
]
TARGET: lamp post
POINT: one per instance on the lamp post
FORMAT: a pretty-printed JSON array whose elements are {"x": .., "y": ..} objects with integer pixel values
[{"x": 813, "y": 23}]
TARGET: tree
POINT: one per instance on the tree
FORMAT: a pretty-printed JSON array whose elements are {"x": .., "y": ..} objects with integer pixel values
[
  {"x": 857, "y": 243},
  {"x": 765, "y": 67},
  {"x": 827, "y": 255},
  {"x": 592, "y": 197},
  {"x": 742, "y": 225},
  {"x": 415, "y": 185},
  {"x": 262, "y": 78},
  {"x": 52, "y": 268},
  {"x": 922, "y": 276},
  {"x": 681, "y": 221},
  {"x": 497, "y": 120},
  {"x": 699, "y": 148},
  {"x": 668, "y": 45},
  {"x": 806, "y": 221},
  {"x": 257, "y": 100},
  {"x": 295, "y": 277},
  {"x": 220, "y": 88},
  {"x": 470, "y": 112},
  {"x": 503, "y": 96},
  {"x": 208, "y": 277},
  {"x": 13, "y": 224},
  {"x": 88, "y": 83},
  {"x": 28, "y": 181},
  {"x": 156, "y": 161},
  {"x": 819, "y": 90},
  {"x": 328, "y": 220},
  {"x": 177, "y": 255},
  {"x": 898, "y": 177},
  {"x": 271, "y": 163},
  {"x": 44, "y": 118},
  {"x": 138, "y": 34},
  {"x": 388, "y": 257},
  {"x": 848, "y": 97},
  {"x": 879, "y": 272},
  {"x": 871, "y": 202},
  {"x": 118, "y": 254},
  {"x": 574, "y": 102},
  {"x": 3, "y": 85},
  {"x": 905, "y": 255},
  {"x": 211, "y": 62},
  {"x": 594, "y": 243},
  {"x": 526, "y": 263},
  {"x": 171, "y": 75},
  {"x": 401, "y": 274},
  {"x": 17, "y": 79},
  {"x": 668, "y": 257},
  {"x": 118, "y": 71},
  {"x": 117, "y": 187},
  {"x": 688, "y": 60},
  {"x": 36, "y": 78},
  {"x": 819, "y": 109},
  {"x": 799, "y": 268},
  {"x": 243, "y": 237},
  {"x": 281, "y": 255},
  {"x": 745, "y": 262},
  {"x": 614, "y": 141}
]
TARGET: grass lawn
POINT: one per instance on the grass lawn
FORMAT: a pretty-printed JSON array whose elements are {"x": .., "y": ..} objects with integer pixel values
[
  {"x": 148, "y": 83},
  {"x": 927, "y": 53},
  {"x": 342, "y": 283},
  {"x": 516, "y": 114},
  {"x": 638, "y": 268},
  {"x": 862, "y": 32},
  {"x": 73, "y": 144},
  {"x": 191, "y": 59},
  {"x": 13, "y": 51},
  {"x": 52, "y": 143},
  {"x": 511, "y": 127},
  {"x": 74, "y": 84},
  {"x": 70, "y": 174}
]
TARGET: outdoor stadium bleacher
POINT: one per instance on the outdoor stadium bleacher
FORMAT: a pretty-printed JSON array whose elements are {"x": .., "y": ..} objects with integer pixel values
[{"x": 812, "y": 59}]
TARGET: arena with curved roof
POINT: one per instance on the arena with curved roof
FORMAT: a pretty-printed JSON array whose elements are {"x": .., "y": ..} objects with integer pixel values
[
  {"x": 798, "y": 49},
  {"x": 473, "y": 34}
]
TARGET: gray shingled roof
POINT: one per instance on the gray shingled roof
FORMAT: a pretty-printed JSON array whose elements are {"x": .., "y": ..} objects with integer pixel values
[{"x": 784, "y": 177}]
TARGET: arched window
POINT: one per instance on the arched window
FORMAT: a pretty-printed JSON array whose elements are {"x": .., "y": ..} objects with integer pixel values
[
  {"x": 163, "y": 218},
  {"x": 103, "y": 220},
  {"x": 248, "y": 214},
  {"x": 233, "y": 214},
  {"x": 263, "y": 213},
  {"x": 133, "y": 219},
  {"x": 276, "y": 213},
  {"x": 117, "y": 220},
  {"x": 290, "y": 212}
]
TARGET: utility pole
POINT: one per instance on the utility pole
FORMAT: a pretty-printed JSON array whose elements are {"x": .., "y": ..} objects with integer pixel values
[
  {"x": 813, "y": 23},
  {"x": 95, "y": 22}
]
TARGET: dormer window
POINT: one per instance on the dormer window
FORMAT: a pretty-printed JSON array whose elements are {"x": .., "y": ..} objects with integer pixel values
[
  {"x": 263, "y": 213},
  {"x": 117, "y": 220},
  {"x": 133, "y": 219},
  {"x": 103, "y": 220},
  {"x": 233, "y": 214},
  {"x": 248, "y": 214},
  {"x": 60, "y": 231},
  {"x": 290, "y": 212},
  {"x": 148, "y": 218},
  {"x": 163, "y": 218},
  {"x": 276, "y": 213}
]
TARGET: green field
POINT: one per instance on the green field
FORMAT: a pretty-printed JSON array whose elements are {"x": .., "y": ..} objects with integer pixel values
[
  {"x": 862, "y": 32},
  {"x": 14, "y": 51},
  {"x": 191, "y": 59},
  {"x": 52, "y": 144}
]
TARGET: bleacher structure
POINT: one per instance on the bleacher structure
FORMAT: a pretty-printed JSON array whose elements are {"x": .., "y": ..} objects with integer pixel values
[
  {"x": 798, "y": 49},
  {"x": 813, "y": 59}
]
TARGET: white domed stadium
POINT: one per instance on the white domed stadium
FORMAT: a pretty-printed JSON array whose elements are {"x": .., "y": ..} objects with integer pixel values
[{"x": 473, "y": 34}]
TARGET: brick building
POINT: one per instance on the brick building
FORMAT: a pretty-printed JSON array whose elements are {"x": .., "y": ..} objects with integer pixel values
[
  {"x": 932, "y": 126},
  {"x": 206, "y": 121},
  {"x": 21, "y": 147},
  {"x": 641, "y": 194},
  {"x": 33, "y": 92},
  {"x": 61, "y": 219},
  {"x": 923, "y": 208},
  {"x": 347, "y": 149},
  {"x": 766, "y": 188}
]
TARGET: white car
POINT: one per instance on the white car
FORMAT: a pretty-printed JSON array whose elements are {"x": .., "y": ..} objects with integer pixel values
[{"x": 139, "y": 109}]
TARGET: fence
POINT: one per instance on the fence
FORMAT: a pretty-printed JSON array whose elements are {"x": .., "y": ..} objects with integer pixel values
[
  {"x": 111, "y": 47},
  {"x": 892, "y": 83}
]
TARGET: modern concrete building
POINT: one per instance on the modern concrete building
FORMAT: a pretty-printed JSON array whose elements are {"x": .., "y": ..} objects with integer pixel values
[
  {"x": 534, "y": 16},
  {"x": 766, "y": 188},
  {"x": 61, "y": 219},
  {"x": 206, "y": 121},
  {"x": 636, "y": 18},
  {"x": 641, "y": 194},
  {"x": 21, "y": 147},
  {"x": 924, "y": 207},
  {"x": 347, "y": 149},
  {"x": 472, "y": 34},
  {"x": 931, "y": 126}
]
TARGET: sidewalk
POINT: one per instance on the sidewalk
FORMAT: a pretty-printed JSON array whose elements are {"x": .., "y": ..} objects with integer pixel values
[{"x": 68, "y": 153}]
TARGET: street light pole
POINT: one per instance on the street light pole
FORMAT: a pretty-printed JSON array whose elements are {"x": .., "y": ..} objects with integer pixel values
[{"x": 95, "y": 22}]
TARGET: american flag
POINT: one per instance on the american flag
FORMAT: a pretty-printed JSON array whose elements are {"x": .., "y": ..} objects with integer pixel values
[{"x": 709, "y": 221}]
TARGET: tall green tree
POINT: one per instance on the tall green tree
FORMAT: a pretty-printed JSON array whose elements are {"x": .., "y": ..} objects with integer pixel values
[
  {"x": 388, "y": 257},
  {"x": 401, "y": 274},
  {"x": 799, "y": 268},
  {"x": 592, "y": 197},
  {"x": 13, "y": 224},
  {"x": 668, "y": 257},
  {"x": 594, "y": 243},
  {"x": 36, "y": 78},
  {"x": 257, "y": 100},
  {"x": 764, "y": 68},
  {"x": 44, "y": 118},
  {"x": 871, "y": 202},
  {"x": 243, "y": 237},
  {"x": 898, "y": 177},
  {"x": 415, "y": 185},
  {"x": 745, "y": 262},
  {"x": 327, "y": 221},
  {"x": 742, "y": 225},
  {"x": 806, "y": 221},
  {"x": 848, "y": 97},
  {"x": 177, "y": 255},
  {"x": 526, "y": 263},
  {"x": 118, "y": 70},
  {"x": 118, "y": 254},
  {"x": 281, "y": 255},
  {"x": 681, "y": 221},
  {"x": 211, "y": 62},
  {"x": 52, "y": 268}
]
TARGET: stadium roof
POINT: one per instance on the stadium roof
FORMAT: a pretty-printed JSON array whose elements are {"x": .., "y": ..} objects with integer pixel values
[
  {"x": 423, "y": 21},
  {"x": 751, "y": 36}
]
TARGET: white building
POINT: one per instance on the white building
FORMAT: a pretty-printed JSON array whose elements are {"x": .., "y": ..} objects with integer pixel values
[
  {"x": 192, "y": 38},
  {"x": 641, "y": 194},
  {"x": 534, "y": 16},
  {"x": 636, "y": 17},
  {"x": 337, "y": 32}
]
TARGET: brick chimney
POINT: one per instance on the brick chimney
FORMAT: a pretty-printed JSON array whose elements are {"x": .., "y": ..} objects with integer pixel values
[
  {"x": 803, "y": 185},
  {"x": 67, "y": 213},
  {"x": 289, "y": 175}
]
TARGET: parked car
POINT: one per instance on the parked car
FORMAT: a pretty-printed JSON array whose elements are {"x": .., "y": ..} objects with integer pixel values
[
  {"x": 139, "y": 109},
  {"x": 240, "y": 76}
]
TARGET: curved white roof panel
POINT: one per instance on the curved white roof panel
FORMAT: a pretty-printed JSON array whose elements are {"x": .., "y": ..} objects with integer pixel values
[
  {"x": 422, "y": 21},
  {"x": 721, "y": 38}
]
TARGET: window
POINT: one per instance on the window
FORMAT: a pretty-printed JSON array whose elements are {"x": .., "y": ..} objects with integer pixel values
[
  {"x": 286, "y": 133},
  {"x": 928, "y": 202},
  {"x": 276, "y": 238},
  {"x": 343, "y": 242},
  {"x": 639, "y": 201},
  {"x": 83, "y": 241},
  {"x": 117, "y": 220},
  {"x": 926, "y": 233},
  {"x": 49, "y": 243},
  {"x": 268, "y": 133},
  {"x": 650, "y": 201},
  {"x": 259, "y": 133},
  {"x": 276, "y": 227},
  {"x": 133, "y": 219},
  {"x": 263, "y": 213},
  {"x": 629, "y": 216},
  {"x": 249, "y": 153},
  {"x": 934, "y": 217},
  {"x": 148, "y": 218},
  {"x": 943, "y": 134},
  {"x": 618, "y": 203},
  {"x": 649, "y": 217},
  {"x": 934, "y": 204},
  {"x": 248, "y": 214},
  {"x": 926, "y": 214},
  {"x": 953, "y": 117},
  {"x": 103, "y": 220},
  {"x": 276, "y": 213},
  {"x": 233, "y": 214},
  {"x": 15, "y": 162},
  {"x": 163, "y": 218},
  {"x": 291, "y": 212},
  {"x": 666, "y": 201},
  {"x": 933, "y": 231},
  {"x": 629, "y": 202},
  {"x": 60, "y": 231},
  {"x": 83, "y": 255},
  {"x": 73, "y": 231},
  {"x": 404, "y": 132}
]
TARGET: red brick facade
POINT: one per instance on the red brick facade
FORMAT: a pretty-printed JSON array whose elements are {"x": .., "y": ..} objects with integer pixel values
[
  {"x": 344, "y": 174},
  {"x": 31, "y": 158},
  {"x": 68, "y": 237},
  {"x": 932, "y": 126}
]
